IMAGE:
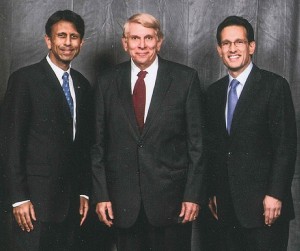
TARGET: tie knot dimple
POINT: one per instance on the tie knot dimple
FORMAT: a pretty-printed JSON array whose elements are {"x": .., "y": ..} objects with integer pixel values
[
  {"x": 234, "y": 83},
  {"x": 65, "y": 76},
  {"x": 142, "y": 74}
]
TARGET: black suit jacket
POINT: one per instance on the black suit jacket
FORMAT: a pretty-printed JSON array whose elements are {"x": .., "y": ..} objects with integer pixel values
[
  {"x": 162, "y": 167},
  {"x": 41, "y": 161},
  {"x": 258, "y": 157}
]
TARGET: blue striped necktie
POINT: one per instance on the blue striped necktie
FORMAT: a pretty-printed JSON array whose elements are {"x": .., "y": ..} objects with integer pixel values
[
  {"x": 232, "y": 100},
  {"x": 67, "y": 92}
]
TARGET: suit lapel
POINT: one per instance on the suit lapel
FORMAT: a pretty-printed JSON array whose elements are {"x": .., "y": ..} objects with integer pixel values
[
  {"x": 51, "y": 80},
  {"x": 123, "y": 81},
  {"x": 162, "y": 83},
  {"x": 221, "y": 105},
  {"x": 53, "y": 84},
  {"x": 77, "y": 89},
  {"x": 246, "y": 98},
  {"x": 78, "y": 96}
]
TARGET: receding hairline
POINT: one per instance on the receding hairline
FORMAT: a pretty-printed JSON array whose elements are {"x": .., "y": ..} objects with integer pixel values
[{"x": 146, "y": 20}]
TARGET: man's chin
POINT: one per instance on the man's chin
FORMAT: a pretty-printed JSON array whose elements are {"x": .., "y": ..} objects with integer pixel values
[
  {"x": 234, "y": 68},
  {"x": 66, "y": 60}
]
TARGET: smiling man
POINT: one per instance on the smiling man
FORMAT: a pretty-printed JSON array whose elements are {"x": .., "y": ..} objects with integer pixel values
[
  {"x": 147, "y": 159},
  {"x": 44, "y": 139},
  {"x": 252, "y": 146}
]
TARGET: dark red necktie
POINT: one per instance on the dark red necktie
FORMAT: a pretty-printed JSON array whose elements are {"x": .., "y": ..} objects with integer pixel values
[{"x": 139, "y": 99}]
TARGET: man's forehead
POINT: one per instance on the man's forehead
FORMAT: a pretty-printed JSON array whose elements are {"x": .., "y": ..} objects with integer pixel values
[{"x": 139, "y": 27}]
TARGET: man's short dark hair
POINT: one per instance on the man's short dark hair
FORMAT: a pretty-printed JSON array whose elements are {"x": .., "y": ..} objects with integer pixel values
[
  {"x": 237, "y": 21},
  {"x": 65, "y": 15}
]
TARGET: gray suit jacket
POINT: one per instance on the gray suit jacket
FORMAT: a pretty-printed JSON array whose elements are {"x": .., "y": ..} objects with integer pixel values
[{"x": 163, "y": 166}]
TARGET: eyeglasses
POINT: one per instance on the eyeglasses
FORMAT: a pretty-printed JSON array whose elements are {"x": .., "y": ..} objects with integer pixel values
[{"x": 237, "y": 43}]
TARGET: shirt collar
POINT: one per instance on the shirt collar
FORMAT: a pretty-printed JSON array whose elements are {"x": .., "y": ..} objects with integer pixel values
[
  {"x": 151, "y": 69},
  {"x": 58, "y": 71},
  {"x": 243, "y": 76}
]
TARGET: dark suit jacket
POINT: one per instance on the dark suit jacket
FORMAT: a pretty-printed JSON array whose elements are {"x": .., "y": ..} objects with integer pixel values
[
  {"x": 162, "y": 167},
  {"x": 258, "y": 157},
  {"x": 41, "y": 161}
]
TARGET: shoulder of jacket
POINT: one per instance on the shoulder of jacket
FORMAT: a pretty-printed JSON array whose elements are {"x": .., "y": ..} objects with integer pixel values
[
  {"x": 216, "y": 84},
  {"x": 175, "y": 66}
]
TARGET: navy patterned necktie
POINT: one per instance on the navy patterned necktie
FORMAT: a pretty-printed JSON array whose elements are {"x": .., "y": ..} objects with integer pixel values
[
  {"x": 139, "y": 99},
  {"x": 66, "y": 89},
  {"x": 232, "y": 100}
]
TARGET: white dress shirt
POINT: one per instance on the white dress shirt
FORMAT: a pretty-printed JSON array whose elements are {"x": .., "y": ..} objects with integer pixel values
[
  {"x": 149, "y": 81},
  {"x": 242, "y": 78}
]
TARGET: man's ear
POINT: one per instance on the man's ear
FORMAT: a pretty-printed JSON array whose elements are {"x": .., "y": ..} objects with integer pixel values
[
  {"x": 219, "y": 49},
  {"x": 124, "y": 43},
  {"x": 252, "y": 46},
  {"x": 82, "y": 42},
  {"x": 48, "y": 41}
]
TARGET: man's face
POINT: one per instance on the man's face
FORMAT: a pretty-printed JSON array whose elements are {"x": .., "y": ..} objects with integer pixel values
[
  {"x": 142, "y": 44},
  {"x": 64, "y": 44},
  {"x": 235, "y": 50}
]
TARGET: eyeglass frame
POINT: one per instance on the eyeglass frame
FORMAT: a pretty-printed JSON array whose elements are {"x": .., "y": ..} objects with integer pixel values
[{"x": 237, "y": 43}]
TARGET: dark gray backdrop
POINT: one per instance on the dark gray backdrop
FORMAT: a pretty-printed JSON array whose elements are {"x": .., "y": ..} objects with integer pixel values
[{"x": 189, "y": 27}]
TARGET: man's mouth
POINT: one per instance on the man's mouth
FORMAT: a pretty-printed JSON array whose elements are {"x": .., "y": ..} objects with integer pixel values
[{"x": 233, "y": 56}]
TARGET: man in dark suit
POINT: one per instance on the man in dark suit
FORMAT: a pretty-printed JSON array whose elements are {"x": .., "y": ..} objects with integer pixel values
[
  {"x": 252, "y": 146},
  {"x": 44, "y": 128},
  {"x": 147, "y": 160}
]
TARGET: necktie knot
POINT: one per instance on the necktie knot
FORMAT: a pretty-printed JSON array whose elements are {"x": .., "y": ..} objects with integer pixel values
[
  {"x": 65, "y": 76},
  {"x": 142, "y": 74},
  {"x": 234, "y": 83}
]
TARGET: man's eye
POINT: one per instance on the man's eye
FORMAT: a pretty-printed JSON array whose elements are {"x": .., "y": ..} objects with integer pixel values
[
  {"x": 149, "y": 38},
  {"x": 61, "y": 35},
  {"x": 74, "y": 36},
  {"x": 225, "y": 43}
]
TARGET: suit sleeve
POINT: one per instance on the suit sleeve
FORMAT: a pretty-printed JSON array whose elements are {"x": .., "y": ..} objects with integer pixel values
[
  {"x": 282, "y": 126},
  {"x": 14, "y": 126},
  {"x": 100, "y": 192},
  {"x": 195, "y": 186},
  {"x": 209, "y": 144},
  {"x": 86, "y": 141}
]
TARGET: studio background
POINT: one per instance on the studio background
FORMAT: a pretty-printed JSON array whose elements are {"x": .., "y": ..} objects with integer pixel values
[{"x": 189, "y": 27}]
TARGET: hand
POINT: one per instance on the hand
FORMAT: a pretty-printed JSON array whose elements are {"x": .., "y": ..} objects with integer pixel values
[
  {"x": 189, "y": 211},
  {"x": 272, "y": 209},
  {"x": 212, "y": 205},
  {"x": 24, "y": 214},
  {"x": 105, "y": 213},
  {"x": 83, "y": 208}
]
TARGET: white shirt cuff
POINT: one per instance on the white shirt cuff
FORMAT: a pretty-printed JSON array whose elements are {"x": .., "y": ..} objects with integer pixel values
[
  {"x": 85, "y": 196},
  {"x": 19, "y": 203}
]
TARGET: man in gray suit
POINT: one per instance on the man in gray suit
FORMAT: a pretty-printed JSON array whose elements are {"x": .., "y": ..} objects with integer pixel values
[{"x": 147, "y": 161}]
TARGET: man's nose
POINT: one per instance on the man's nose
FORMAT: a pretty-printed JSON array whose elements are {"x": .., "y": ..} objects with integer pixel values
[
  {"x": 68, "y": 40},
  {"x": 142, "y": 43}
]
